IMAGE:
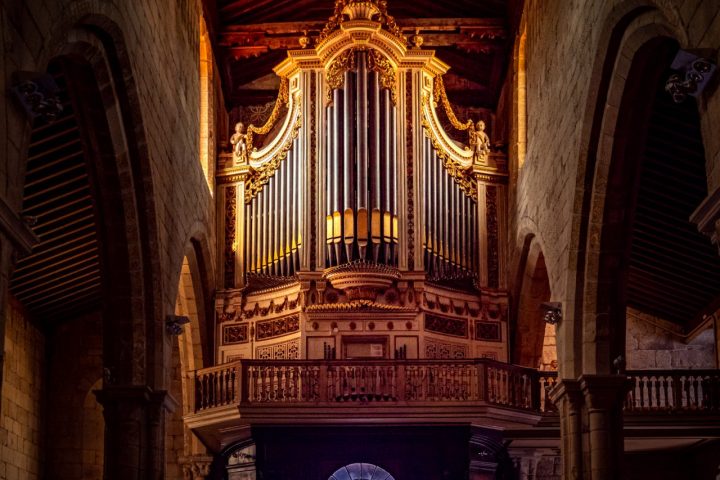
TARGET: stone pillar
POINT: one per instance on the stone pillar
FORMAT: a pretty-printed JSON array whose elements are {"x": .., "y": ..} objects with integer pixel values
[
  {"x": 567, "y": 396},
  {"x": 134, "y": 431},
  {"x": 591, "y": 425},
  {"x": 604, "y": 396},
  {"x": 196, "y": 467}
]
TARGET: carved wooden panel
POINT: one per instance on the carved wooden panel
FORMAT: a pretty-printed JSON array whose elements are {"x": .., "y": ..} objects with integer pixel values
[
  {"x": 457, "y": 327},
  {"x": 276, "y": 327},
  {"x": 436, "y": 349},
  {"x": 279, "y": 351},
  {"x": 233, "y": 334},
  {"x": 488, "y": 331}
]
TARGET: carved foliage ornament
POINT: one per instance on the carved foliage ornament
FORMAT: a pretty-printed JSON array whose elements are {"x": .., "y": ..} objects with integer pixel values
[{"x": 346, "y": 61}]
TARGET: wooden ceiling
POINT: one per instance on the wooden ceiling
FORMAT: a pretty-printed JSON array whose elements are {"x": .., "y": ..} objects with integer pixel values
[
  {"x": 252, "y": 36},
  {"x": 61, "y": 276},
  {"x": 674, "y": 270}
]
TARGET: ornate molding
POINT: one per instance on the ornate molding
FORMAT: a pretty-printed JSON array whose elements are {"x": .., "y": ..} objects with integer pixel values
[
  {"x": 230, "y": 243},
  {"x": 410, "y": 172}
]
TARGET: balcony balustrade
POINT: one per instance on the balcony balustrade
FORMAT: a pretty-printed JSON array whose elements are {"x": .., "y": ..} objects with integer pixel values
[{"x": 426, "y": 383}]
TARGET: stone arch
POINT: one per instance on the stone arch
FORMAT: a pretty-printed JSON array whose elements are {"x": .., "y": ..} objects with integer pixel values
[
  {"x": 124, "y": 179},
  {"x": 626, "y": 29},
  {"x": 133, "y": 331},
  {"x": 190, "y": 351},
  {"x": 532, "y": 289}
]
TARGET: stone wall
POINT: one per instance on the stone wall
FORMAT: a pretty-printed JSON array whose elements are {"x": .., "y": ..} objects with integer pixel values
[
  {"x": 655, "y": 343},
  {"x": 159, "y": 41},
  {"x": 73, "y": 422},
  {"x": 22, "y": 393},
  {"x": 566, "y": 45}
]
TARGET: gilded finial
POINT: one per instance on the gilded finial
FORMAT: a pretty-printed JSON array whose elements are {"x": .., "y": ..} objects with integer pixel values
[{"x": 416, "y": 39}]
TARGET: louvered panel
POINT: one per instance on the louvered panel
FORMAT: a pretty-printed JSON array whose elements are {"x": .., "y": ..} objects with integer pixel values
[{"x": 61, "y": 276}]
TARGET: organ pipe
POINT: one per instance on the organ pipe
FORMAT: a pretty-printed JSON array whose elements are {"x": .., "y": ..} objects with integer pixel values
[
  {"x": 450, "y": 222},
  {"x": 361, "y": 207}
]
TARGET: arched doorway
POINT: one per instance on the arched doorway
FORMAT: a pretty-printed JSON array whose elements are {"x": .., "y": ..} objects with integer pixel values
[{"x": 361, "y": 471}]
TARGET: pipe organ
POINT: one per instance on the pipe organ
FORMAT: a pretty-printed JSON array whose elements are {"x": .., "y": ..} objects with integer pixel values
[
  {"x": 351, "y": 221},
  {"x": 361, "y": 165}
]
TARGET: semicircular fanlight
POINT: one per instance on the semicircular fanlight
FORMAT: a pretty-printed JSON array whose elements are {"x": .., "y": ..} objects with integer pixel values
[{"x": 361, "y": 471}]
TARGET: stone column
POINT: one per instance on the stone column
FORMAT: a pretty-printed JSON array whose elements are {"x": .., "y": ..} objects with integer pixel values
[
  {"x": 567, "y": 396},
  {"x": 604, "y": 396},
  {"x": 134, "y": 431}
]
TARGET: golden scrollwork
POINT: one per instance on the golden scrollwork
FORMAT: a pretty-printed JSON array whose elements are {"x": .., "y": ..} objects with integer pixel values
[
  {"x": 259, "y": 177},
  {"x": 440, "y": 96},
  {"x": 335, "y": 71},
  {"x": 462, "y": 174},
  {"x": 383, "y": 17},
  {"x": 377, "y": 62},
  {"x": 282, "y": 100}
]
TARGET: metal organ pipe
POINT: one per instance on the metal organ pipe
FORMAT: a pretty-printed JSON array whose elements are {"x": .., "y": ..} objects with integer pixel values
[
  {"x": 375, "y": 172},
  {"x": 362, "y": 155},
  {"x": 450, "y": 222},
  {"x": 361, "y": 162}
]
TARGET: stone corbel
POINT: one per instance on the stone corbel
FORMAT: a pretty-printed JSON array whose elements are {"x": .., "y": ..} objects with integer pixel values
[{"x": 707, "y": 217}]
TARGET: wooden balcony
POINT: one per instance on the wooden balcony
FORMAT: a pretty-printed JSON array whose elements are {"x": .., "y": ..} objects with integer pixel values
[{"x": 230, "y": 397}]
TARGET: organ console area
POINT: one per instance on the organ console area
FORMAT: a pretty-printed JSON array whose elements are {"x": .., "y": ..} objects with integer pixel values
[{"x": 354, "y": 223}]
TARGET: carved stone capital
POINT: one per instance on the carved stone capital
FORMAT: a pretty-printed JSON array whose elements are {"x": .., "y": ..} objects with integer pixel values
[
  {"x": 604, "y": 392},
  {"x": 196, "y": 467},
  {"x": 567, "y": 395}
]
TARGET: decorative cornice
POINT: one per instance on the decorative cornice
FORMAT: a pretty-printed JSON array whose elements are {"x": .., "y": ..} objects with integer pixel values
[{"x": 357, "y": 306}]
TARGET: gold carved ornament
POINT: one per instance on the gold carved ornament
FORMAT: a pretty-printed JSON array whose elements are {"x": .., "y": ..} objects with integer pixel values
[
  {"x": 261, "y": 176},
  {"x": 377, "y": 62},
  {"x": 461, "y": 174},
  {"x": 384, "y": 18},
  {"x": 440, "y": 96},
  {"x": 335, "y": 71},
  {"x": 282, "y": 100}
]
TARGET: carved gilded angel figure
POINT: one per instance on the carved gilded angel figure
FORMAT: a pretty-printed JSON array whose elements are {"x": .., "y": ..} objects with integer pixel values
[
  {"x": 239, "y": 142},
  {"x": 479, "y": 142}
]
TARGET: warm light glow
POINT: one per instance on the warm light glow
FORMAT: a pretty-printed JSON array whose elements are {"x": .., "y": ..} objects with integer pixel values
[
  {"x": 521, "y": 127},
  {"x": 206, "y": 104}
]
